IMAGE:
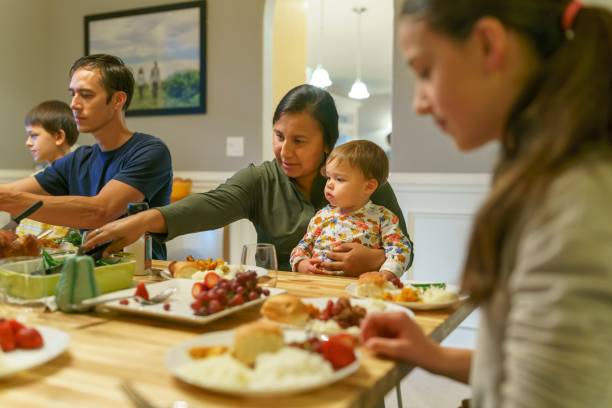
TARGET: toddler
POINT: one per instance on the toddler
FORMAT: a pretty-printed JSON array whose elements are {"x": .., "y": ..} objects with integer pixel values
[{"x": 354, "y": 171}]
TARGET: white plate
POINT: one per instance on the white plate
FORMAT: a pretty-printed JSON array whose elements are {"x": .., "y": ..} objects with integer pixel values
[
  {"x": 180, "y": 301},
  {"x": 352, "y": 290},
  {"x": 55, "y": 343},
  {"x": 179, "y": 355},
  {"x": 165, "y": 273},
  {"x": 321, "y": 303}
]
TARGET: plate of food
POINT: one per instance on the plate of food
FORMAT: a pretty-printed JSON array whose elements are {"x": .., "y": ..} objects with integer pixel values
[
  {"x": 197, "y": 269},
  {"x": 324, "y": 315},
  {"x": 261, "y": 359},
  {"x": 416, "y": 295},
  {"x": 197, "y": 302},
  {"x": 27, "y": 347}
]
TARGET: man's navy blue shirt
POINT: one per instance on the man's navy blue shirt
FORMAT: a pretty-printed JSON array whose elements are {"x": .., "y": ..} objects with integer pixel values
[{"x": 142, "y": 162}]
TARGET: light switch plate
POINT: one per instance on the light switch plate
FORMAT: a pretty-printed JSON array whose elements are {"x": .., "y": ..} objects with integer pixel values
[{"x": 234, "y": 146}]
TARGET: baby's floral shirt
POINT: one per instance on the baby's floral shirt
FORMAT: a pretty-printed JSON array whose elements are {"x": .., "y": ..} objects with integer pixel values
[{"x": 373, "y": 226}]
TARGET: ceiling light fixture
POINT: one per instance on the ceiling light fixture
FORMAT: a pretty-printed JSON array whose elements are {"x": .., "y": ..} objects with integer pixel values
[
  {"x": 320, "y": 76},
  {"x": 359, "y": 90}
]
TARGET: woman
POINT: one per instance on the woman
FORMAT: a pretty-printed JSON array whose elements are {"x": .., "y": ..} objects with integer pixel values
[
  {"x": 278, "y": 196},
  {"x": 535, "y": 75}
]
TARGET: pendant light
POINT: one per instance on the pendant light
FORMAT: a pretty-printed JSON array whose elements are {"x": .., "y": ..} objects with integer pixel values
[
  {"x": 359, "y": 90},
  {"x": 320, "y": 76}
]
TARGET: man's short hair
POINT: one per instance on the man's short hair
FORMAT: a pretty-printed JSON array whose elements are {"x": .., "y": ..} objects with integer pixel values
[
  {"x": 364, "y": 155},
  {"x": 116, "y": 76},
  {"x": 54, "y": 116}
]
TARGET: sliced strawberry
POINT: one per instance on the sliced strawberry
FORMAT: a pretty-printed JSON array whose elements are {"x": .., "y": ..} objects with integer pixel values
[
  {"x": 211, "y": 279},
  {"x": 7, "y": 337},
  {"x": 15, "y": 325},
  {"x": 28, "y": 338},
  {"x": 197, "y": 289},
  {"x": 338, "y": 351},
  {"x": 141, "y": 291}
]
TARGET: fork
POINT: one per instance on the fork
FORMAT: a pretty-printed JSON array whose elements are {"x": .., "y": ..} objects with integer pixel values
[
  {"x": 141, "y": 402},
  {"x": 137, "y": 399}
]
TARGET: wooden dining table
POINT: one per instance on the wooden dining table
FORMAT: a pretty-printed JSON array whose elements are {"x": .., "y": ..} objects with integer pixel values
[{"x": 107, "y": 348}]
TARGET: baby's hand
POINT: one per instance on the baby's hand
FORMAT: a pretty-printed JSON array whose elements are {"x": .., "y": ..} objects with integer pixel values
[
  {"x": 309, "y": 265},
  {"x": 391, "y": 277}
]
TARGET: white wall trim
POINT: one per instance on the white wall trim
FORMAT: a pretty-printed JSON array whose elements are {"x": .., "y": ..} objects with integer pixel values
[
  {"x": 440, "y": 182},
  {"x": 404, "y": 182},
  {"x": 9, "y": 175},
  {"x": 204, "y": 180}
]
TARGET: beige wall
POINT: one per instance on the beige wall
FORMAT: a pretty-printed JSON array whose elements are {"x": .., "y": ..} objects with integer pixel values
[
  {"x": 289, "y": 47},
  {"x": 417, "y": 144},
  {"x": 23, "y": 44},
  {"x": 50, "y": 34},
  {"x": 39, "y": 39}
]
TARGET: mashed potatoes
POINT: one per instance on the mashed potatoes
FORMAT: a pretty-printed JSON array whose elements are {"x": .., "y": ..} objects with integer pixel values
[
  {"x": 438, "y": 295},
  {"x": 289, "y": 367},
  {"x": 222, "y": 371}
]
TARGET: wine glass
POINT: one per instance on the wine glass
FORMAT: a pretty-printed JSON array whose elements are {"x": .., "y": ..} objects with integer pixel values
[{"x": 263, "y": 256}]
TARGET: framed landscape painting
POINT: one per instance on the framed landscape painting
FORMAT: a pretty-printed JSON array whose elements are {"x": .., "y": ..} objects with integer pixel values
[{"x": 164, "y": 47}]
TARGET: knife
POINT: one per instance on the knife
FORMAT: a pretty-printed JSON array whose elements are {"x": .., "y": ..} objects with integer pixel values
[
  {"x": 95, "y": 252},
  {"x": 14, "y": 222}
]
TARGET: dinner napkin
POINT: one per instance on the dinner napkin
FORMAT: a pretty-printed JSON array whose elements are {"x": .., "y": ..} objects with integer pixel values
[{"x": 77, "y": 283}]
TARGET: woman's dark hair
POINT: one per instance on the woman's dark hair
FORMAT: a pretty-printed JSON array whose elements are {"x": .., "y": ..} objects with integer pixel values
[
  {"x": 54, "y": 116},
  {"x": 116, "y": 76},
  {"x": 316, "y": 101},
  {"x": 564, "y": 110}
]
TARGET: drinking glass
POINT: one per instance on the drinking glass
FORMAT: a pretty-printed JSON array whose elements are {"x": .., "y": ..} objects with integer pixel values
[
  {"x": 263, "y": 256},
  {"x": 16, "y": 296}
]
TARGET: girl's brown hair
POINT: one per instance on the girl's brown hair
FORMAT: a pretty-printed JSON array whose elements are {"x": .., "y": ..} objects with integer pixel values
[{"x": 564, "y": 111}]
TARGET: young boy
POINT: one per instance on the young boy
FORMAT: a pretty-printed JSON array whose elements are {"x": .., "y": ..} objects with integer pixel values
[
  {"x": 52, "y": 134},
  {"x": 354, "y": 171},
  {"x": 51, "y": 130}
]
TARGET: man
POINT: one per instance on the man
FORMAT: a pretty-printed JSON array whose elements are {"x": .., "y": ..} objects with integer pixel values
[{"x": 93, "y": 185}]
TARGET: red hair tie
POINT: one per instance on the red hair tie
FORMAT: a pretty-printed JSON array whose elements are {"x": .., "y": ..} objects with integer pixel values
[{"x": 569, "y": 15}]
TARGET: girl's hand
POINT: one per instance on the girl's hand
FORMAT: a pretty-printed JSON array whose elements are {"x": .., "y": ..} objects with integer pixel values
[
  {"x": 397, "y": 336},
  {"x": 354, "y": 259}
]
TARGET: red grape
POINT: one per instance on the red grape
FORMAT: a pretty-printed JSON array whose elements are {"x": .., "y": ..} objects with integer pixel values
[{"x": 253, "y": 296}]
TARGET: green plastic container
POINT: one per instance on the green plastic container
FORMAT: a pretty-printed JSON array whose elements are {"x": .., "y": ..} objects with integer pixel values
[{"x": 13, "y": 279}]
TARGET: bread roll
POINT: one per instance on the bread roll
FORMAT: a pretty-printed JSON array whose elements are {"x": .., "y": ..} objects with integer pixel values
[
  {"x": 182, "y": 269},
  {"x": 286, "y": 309},
  {"x": 253, "y": 339},
  {"x": 371, "y": 284}
]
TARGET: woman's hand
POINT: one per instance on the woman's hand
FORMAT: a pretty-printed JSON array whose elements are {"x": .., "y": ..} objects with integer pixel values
[
  {"x": 125, "y": 231},
  {"x": 397, "y": 336},
  {"x": 354, "y": 259}
]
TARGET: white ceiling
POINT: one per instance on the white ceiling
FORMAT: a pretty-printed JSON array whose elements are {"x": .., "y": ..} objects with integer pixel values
[{"x": 338, "y": 46}]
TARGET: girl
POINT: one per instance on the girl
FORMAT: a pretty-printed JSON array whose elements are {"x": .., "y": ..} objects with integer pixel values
[{"x": 535, "y": 75}]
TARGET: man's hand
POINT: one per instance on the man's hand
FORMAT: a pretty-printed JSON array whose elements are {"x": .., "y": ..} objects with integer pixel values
[{"x": 354, "y": 259}]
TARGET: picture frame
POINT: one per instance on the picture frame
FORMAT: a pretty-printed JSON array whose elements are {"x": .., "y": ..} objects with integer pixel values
[{"x": 165, "y": 46}]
